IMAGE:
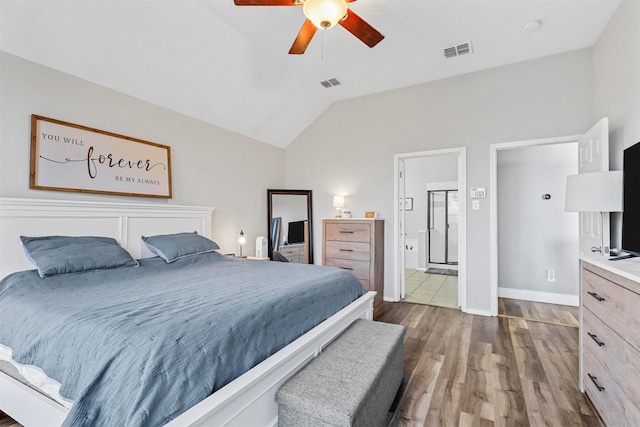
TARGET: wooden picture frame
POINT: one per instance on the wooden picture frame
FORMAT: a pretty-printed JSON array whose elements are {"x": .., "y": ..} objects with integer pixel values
[{"x": 70, "y": 157}]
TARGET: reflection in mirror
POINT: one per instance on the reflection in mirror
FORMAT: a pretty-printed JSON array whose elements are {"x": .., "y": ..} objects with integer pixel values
[
  {"x": 290, "y": 225},
  {"x": 274, "y": 233}
]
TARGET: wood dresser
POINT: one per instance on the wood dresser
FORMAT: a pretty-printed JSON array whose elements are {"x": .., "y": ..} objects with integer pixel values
[
  {"x": 610, "y": 338},
  {"x": 356, "y": 245},
  {"x": 294, "y": 253}
]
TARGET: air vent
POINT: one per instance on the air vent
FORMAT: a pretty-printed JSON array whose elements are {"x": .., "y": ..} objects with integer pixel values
[
  {"x": 457, "y": 50},
  {"x": 331, "y": 83}
]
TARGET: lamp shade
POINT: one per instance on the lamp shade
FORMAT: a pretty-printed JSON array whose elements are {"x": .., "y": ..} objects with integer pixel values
[
  {"x": 594, "y": 192},
  {"x": 324, "y": 13},
  {"x": 242, "y": 239},
  {"x": 338, "y": 201}
]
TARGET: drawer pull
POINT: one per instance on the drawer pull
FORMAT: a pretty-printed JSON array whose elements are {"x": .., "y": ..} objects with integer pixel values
[
  {"x": 346, "y": 250},
  {"x": 346, "y": 232},
  {"x": 595, "y": 338},
  {"x": 596, "y": 296},
  {"x": 349, "y": 268},
  {"x": 595, "y": 382}
]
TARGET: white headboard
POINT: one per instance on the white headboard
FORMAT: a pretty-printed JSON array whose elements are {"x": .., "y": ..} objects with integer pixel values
[{"x": 123, "y": 221}]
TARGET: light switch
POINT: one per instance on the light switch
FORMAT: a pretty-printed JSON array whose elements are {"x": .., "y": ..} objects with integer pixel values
[{"x": 475, "y": 205}]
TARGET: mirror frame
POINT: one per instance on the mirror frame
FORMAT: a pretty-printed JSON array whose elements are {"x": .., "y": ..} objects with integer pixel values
[{"x": 308, "y": 193}]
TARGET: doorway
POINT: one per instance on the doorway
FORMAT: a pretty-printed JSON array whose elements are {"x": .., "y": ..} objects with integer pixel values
[
  {"x": 593, "y": 150},
  {"x": 537, "y": 239},
  {"x": 493, "y": 194},
  {"x": 407, "y": 234},
  {"x": 442, "y": 227}
]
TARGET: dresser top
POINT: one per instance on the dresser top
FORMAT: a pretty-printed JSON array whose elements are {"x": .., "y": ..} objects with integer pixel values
[
  {"x": 628, "y": 268},
  {"x": 352, "y": 219}
]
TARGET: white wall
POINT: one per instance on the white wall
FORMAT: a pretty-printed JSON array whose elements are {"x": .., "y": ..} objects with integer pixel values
[
  {"x": 420, "y": 172},
  {"x": 349, "y": 149},
  {"x": 210, "y": 165},
  {"x": 536, "y": 234},
  {"x": 616, "y": 61}
]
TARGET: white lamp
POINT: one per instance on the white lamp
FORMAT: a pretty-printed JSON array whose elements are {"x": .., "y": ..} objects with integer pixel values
[
  {"x": 595, "y": 192},
  {"x": 338, "y": 203},
  {"x": 324, "y": 14},
  {"x": 242, "y": 240}
]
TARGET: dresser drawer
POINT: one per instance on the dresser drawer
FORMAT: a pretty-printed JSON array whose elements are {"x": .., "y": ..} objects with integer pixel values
[
  {"x": 360, "y": 269},
  {"x": 632, "y": 414},
  {"x": 632, "y": 315},
  {"x": 607, "y": 346},
  {"x": 290, "y": 250},
  {"x": 348, "y": 250},
  {"x": 605, "y": 299},
  {"x": 610, "y": 400},
  {"x": 348, "y": 232},
  {"x": 631, "y": 384}
]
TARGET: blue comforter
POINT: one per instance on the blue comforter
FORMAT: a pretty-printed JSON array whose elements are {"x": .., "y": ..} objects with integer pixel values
[{"x": 139, "y": 346}]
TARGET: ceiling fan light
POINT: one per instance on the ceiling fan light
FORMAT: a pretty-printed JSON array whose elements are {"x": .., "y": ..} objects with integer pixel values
[{"x": 324, "y": 13}]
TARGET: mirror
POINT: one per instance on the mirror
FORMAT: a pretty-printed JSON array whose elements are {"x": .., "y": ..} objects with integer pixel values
[{"x": 290, "y": 225}]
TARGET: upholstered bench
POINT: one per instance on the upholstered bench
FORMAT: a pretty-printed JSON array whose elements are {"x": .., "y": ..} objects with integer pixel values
[{"x": 353, "y": 382}]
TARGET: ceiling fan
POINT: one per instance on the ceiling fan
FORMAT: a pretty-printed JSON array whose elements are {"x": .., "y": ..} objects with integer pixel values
[{"x": 323, "y": 14}]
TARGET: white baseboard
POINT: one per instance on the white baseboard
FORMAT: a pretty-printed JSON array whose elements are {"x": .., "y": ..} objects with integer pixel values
[
  {"x": 477, "y": 312},
  {"x": 548, "y": 297}
]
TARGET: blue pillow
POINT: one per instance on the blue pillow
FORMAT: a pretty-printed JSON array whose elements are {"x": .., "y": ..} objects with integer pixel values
[
  {"x": 171, "y": 247},
  {"x": 64, "y": 254}
]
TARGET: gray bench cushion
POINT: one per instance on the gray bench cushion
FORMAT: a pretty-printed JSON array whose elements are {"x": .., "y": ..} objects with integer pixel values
[{"x": 352, "y": 383}]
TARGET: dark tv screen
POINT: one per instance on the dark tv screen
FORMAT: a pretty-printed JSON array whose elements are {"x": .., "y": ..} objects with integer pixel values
[
  {"x": 631, "y": 200},
  {"x": 296, "y": 232}
]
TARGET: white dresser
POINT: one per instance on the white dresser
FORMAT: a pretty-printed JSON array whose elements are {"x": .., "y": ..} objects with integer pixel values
[{"x": 610, "y": 338}]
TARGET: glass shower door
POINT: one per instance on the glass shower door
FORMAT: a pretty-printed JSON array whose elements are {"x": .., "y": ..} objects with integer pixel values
[{"x": 443, "y": 227}]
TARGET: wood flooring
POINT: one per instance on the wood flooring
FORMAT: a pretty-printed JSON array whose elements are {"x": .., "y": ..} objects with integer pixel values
[
  {"x": 541, "y": 312},
  {"x": 466, "y": 370},
  {"x": 5, "y": 421}
]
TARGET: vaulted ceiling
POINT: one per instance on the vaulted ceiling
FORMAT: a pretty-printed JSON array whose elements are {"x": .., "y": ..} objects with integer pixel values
[{"x": 229, "y": 66}]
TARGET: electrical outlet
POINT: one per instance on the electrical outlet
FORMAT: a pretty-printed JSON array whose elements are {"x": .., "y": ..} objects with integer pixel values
[
  {"x": 551, "y": 275},
  {"x": 475, "y": 205}
]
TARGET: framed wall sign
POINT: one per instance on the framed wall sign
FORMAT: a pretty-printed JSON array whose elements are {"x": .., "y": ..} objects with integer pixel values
[{"x": 70, "y": 157}]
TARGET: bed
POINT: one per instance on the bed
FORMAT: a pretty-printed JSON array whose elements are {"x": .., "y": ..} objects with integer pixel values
[{"x": 246, "y": 400}]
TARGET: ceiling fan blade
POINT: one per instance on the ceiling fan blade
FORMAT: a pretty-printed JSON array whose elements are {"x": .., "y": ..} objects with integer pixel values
[
  {"x": 265, "y": 3},
  {"x": 303, "y": 39},
  {"x": 359, "y": 28}
]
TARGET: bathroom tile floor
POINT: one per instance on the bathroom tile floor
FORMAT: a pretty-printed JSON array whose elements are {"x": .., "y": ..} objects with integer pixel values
[{"x": 431, "y": 289}]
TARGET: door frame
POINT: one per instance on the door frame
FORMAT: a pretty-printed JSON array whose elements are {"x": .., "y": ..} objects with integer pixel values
[
  {"x": 461, "y": 152},
  {"x": 493, "y": 203}
]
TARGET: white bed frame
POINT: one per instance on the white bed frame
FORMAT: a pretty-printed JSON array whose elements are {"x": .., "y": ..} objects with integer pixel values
[{"x": 247, "y": 401}]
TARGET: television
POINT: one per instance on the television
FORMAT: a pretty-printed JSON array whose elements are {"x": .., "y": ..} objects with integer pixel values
[
  {"x": 631, "y": 201},
  {"x": 296, "y": 232}
]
